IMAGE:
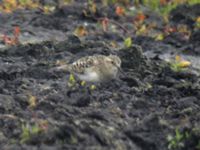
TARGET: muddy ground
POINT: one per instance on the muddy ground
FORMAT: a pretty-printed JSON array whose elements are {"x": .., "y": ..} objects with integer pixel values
[{"x": 137, "y": 111}]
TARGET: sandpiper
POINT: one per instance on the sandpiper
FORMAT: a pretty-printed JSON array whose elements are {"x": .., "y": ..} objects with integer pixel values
[{"x": 96, "y": 68}]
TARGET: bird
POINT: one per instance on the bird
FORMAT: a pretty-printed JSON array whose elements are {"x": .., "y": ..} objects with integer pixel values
[{"x": 95, "y": 68}]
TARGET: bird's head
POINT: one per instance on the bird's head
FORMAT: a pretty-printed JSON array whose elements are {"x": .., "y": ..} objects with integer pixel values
[{"x": 114, "y": 60}]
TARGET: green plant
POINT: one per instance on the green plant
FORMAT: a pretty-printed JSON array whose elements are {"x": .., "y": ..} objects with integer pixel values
[
  {"x": 27, "y": 131},
  {"x": 128, "y": 42},
  {"x": 166, "y": 9},
  {"x": 197, "y": 23},
  {"x": 71, "y": 81},
  {"x": 92, "y": 87},
  {"x": 177, "y": 141},
  {"x": 164, "y": 6},
  {"x": 176, "y": 67},
  {"x": 179, "y": 64},
  {"x": 157, "y": 5},
  {"x": 152, "y": 4},
  {"x": 192, "y": 2},
  {"x": 111, "y": 2}
]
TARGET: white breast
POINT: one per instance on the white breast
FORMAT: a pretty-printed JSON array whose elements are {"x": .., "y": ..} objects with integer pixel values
[{"x": 89, "y": 76}]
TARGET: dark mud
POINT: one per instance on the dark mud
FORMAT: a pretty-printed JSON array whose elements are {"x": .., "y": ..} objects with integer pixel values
[{"x": 138, "y": 110}]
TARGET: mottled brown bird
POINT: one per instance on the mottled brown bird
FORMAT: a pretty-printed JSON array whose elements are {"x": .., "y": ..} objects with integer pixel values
[{"x": 96, "y": 68}]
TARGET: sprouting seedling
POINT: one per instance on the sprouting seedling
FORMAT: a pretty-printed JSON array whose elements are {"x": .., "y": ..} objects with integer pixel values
[
  {"x": 142, "y": 30},
  {"x": 179, "y": 64},
  {"x": 92, "y": 6},
  {"x": 177, "y": 141},
  {"x": 83, "y": 83},
  {"x": 159, "y": 37},
  {"x": 71, "y": 81},
  {"x": 25, "y": 135},
  {"x": 197, "y": 24},
  {"x": 80, "y": 31},
  {"x": 93, "y": 87},
  {"x": 32, "y": 101},
  {"x": 29, "y": 130},
  {"x": 48, "y": 9},
  {"x": 128, "y": 42}
]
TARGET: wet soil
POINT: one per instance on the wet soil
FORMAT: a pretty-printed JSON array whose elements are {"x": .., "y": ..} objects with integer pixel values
[{"x": 137, "y": 111}]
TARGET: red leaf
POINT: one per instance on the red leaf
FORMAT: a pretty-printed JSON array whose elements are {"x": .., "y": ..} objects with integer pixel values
[
  {"x": 104, "y": 23},
  {"x": 140, "y": 17},
  {"x": 16, "y": 31},
  {"x": 119, "y": 11}
]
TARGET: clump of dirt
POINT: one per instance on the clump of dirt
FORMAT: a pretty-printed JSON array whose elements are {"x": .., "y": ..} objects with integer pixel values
[{"x": 137, "y": 110}]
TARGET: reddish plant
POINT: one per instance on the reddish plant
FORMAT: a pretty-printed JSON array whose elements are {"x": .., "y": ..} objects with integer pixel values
[
  {"x": 12, "y": 40},
  {"x": 104, "y": 23}
]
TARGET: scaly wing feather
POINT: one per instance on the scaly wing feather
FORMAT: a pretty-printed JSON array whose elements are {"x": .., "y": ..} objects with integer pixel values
[{"x": 82, "y": 64}]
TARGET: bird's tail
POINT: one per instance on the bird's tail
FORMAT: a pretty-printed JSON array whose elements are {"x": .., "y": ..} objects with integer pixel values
[{"x": 64, "y": 68}]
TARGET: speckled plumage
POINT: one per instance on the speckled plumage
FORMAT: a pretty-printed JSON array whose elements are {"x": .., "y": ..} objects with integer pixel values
[{"x": 96, "y": 68}]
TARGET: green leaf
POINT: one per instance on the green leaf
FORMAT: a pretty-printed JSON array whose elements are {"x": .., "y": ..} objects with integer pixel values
[{"x": 128, "y": 42}]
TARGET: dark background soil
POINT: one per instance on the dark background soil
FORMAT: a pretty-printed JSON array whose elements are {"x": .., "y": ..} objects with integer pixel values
[{"x": 137, "y": 111}]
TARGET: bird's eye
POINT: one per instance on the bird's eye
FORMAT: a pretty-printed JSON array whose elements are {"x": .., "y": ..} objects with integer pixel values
[{"x": 113, "y": 62}]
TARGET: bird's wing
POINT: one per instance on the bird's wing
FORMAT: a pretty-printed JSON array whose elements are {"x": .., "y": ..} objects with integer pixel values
[{"x": 82, "y": 64}]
